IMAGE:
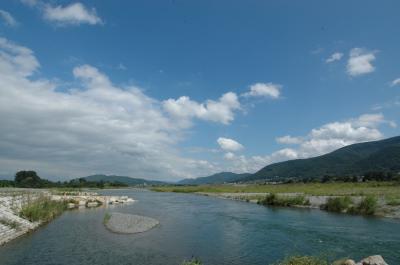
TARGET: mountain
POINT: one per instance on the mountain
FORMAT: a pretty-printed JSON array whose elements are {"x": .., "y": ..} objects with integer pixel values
[
  {"x": 122, "y": 179},
  {"x": 356, "y": 159},
  {"x": 217, "y": 178}
]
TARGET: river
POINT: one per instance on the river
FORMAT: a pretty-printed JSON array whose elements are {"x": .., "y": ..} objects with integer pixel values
[{"x": 217, "y": 231}]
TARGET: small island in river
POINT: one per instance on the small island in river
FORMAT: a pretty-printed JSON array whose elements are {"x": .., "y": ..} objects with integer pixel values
[{"x": 129, "y": 223}]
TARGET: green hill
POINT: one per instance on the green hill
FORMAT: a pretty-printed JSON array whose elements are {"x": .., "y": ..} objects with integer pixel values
[
  {"x": 355, "y": 160},
  {"x": 122, "y": 179},
  {"x": 218, "y": 178}
]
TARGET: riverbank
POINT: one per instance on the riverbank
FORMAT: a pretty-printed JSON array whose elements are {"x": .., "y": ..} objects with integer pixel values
[
  {"x": 315, "y": 195},
  {"x": 24, "y": 210}
]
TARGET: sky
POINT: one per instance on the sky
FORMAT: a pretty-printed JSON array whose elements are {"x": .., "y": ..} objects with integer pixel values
[{"x": 175, "y": 89}]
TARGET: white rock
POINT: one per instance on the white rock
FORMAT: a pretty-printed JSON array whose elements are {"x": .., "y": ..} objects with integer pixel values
[{"x": 373, "y": 260}]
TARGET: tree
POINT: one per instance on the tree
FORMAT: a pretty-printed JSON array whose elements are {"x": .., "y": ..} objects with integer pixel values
[{"x": 27, "y": 179}]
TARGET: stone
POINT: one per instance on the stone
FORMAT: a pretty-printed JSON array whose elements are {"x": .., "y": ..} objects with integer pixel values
[
  {"x": 373, "y": 260},
  {"x": 71, "y": 205},
  {"x": 92, "y": 204},
  {"x": 349, "y": 262}
]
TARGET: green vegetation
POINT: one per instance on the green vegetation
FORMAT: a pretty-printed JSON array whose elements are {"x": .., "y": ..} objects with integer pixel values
[
  {"x": 338, "y": 204},
  {"x": 106, "y": 218},
  {"x": 193, "y": 261},
  {"x": 42, "y": 209},
  {"x": 384, "y": 189},
  {"x": 380, "y": 158},
  {"x": 30, "y": 179},
  {"x": 6, "y": 183},
  {"x": 275, "y": 200},
  {"x": 367, "y": 206},
  {"x": 392, "y": 201},
  {"x": 9, "y": 223}
]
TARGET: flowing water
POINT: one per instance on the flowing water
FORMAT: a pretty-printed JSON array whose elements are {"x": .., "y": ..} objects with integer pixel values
[{"x": 214, "y": 230}]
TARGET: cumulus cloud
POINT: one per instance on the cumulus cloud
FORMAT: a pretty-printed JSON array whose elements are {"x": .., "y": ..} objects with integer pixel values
[
  {"x": 395, "y": 82},
  {"x": 334, "y": 57},
  {"x": 360, "y": 62},
  {"x": 73, "y": 14},
  {"x": 227, "y": 144},
  {"x": 264, "y": 90},
  {"x": 93, "y": 127},
  {"x": 318, "y": 141},
  {"x": 8, "y": 19},
  {"x": 221, "y": 111}
]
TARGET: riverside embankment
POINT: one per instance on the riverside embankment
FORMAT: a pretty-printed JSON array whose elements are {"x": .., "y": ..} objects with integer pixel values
[{"x": 24, "y": 210}]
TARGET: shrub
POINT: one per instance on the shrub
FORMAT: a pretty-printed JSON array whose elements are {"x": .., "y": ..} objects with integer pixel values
[
  {"x": 303, "y": 260},
  {"x": 275, "y": 200},
  {"x": 366, "y": 206},
  {"x": 42, "y": 209},
  {"x": 337, "y": 204}
]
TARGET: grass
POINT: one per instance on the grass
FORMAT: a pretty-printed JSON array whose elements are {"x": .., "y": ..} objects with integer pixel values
[
  {"x": 9, "y": 223},
  {"x": 277, "y": 200},
  {"x": 367, "y": 206},
  {"x": 386, "y": 189},
  {"x": 43, "y": 209},
  {"x": 392, "y": 201},
  {"x": 106, "y": 218},
  {"x": 338, "y": 204}
]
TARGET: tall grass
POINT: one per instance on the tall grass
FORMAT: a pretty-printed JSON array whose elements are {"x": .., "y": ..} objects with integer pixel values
[
  {"x": 338, "y": 204},
  {"x": 367, "y": 206},
  {"x": 43, "y": 209}
]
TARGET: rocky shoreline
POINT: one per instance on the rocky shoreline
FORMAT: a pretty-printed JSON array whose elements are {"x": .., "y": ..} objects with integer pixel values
[
  {"x": 12, "y": 225},
  {"x": 315, "y": 202}
]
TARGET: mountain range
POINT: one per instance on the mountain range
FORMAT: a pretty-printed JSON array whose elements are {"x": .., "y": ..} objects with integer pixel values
[{"x": 351, "y": 160}]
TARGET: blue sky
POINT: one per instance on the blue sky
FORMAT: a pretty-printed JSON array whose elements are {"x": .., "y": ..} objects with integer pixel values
[{"x": 300, "y": 79}]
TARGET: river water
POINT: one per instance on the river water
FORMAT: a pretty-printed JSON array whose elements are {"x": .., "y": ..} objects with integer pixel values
[{"x": 214, "y": 230}]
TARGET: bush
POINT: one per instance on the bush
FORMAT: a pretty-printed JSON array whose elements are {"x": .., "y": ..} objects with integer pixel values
[
  {"x": 366, "y": 206},
  {"x": 43, "y": 209},
  {"x": 303, "y": 260},
  {"x": 275, "y": 200},
  {"x": 337, "y": 204}
]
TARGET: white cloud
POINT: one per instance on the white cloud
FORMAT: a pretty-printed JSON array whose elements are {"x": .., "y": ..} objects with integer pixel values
[
  {"x": 73, "y": 14},
  {"x": 334, "y": 57},
  {"x": 229, "y": 156},
  {"x": 395, "y": 82},
  {"x": 94, "y": 127},
  {"x": 8, "y": 18},
  {"x": 287, "y": 139},
  {"x": 360, "y": 62},
  {"x": 319, "y": 141},
  {"x": 221, "y": 111},
  {"x": 264, "y": 90},
  {"x": 227, "y": 144}
]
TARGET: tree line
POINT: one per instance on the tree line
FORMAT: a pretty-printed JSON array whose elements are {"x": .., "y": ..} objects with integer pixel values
[{"x": 30, "y": 179}]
